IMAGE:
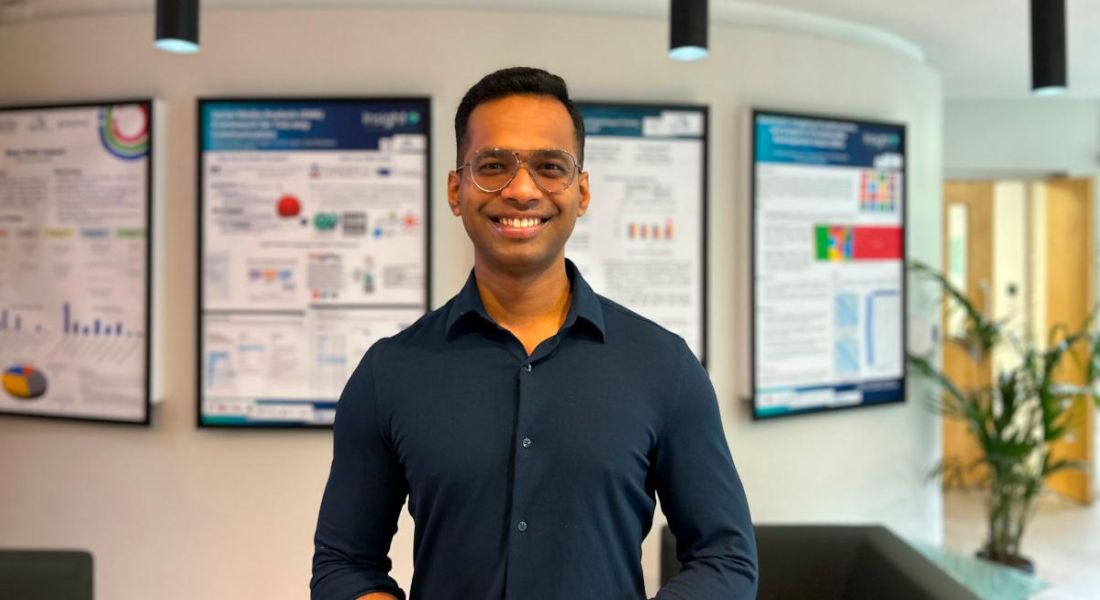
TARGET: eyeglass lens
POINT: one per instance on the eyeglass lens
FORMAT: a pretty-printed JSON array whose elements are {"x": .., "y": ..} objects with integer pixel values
[{"x": 552, "y": 170}]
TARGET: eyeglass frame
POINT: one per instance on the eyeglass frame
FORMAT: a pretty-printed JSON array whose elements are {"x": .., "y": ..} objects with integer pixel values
[{"x": 577, "y": 169}]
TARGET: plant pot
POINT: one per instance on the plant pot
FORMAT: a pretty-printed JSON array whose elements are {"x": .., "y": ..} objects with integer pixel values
[{"x": 1020, "y": 563}]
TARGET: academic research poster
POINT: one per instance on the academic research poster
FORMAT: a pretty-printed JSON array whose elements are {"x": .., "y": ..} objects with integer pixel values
[
  {"x": 313, "y": 245},
  {"x": 75, "y": 220},
  {"x": 642, "y": 242},
  {"x": 828, "y": 297}
]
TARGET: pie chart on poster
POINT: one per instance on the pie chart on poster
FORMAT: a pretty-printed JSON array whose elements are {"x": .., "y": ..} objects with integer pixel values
[{"x": 24, "y": 382}]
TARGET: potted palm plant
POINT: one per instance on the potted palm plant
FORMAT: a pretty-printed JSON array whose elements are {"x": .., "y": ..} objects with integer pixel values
[{"x": 1016, "y": 418}]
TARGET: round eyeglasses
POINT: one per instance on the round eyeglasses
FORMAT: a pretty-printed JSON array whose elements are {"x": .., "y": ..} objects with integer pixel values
[{"x": 493, "y": 169}]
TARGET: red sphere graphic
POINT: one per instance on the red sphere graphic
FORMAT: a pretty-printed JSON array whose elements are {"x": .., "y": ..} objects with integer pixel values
[{"x": 289, "y": 206}]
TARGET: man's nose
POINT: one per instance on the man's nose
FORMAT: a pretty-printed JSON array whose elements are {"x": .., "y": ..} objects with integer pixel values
[{"x": 522, "y": 187}]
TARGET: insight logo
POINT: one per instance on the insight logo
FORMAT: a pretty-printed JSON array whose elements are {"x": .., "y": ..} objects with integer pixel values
[
  {"x": 881, "y": 140},
  {"x": 390, "y": 119}
]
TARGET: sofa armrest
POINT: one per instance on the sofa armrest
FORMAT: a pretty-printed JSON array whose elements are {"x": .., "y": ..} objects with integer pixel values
[{"x": 886, "y": 564}]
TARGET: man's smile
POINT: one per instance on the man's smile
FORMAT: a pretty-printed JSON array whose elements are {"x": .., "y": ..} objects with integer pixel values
[{"x": 519, "y": 227}]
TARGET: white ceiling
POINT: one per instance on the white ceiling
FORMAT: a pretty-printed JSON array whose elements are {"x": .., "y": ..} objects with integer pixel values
[{"x": 980, "y": 46}]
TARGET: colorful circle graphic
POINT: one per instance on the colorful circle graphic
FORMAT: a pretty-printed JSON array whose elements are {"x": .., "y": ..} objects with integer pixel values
[
  {"x": 326, "y": 221},
  {"x": 289, "y": 206},
  {"x": 124, "y": 130},
  {"x": 24, "y": 382}
]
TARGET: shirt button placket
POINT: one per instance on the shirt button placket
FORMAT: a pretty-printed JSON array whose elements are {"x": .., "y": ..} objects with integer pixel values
[
  {"x": 526, "y": 443},
  {"x": 519, "y": 553}
]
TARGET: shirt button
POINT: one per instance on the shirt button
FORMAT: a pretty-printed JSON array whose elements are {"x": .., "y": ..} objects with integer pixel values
[
  {"x": 526, "y": 442},
  {"x": 527, "y": 367},
  {"x": 522, "y": 526}
]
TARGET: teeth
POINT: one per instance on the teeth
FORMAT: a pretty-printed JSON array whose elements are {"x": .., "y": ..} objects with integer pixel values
[{"x": 519, "y": 223}]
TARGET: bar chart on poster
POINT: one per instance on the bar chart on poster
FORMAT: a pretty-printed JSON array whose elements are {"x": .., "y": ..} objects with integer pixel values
[
  {"x": 75, "y": 208},
  {"x": 314, "y": 245},
  {"x": 828, "y": 293},
  {"x": 642, "y": 242}
]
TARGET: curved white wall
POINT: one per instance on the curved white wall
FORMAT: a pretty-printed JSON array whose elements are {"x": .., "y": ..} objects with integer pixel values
[
  {"x": 175, "y": 512},
  {"x": 1021, "y": 138}
]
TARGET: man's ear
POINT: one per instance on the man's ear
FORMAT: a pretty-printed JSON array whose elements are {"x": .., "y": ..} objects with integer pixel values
[
  {"x": 582, "y": 184},
  {"x": 453, "y": 185}
]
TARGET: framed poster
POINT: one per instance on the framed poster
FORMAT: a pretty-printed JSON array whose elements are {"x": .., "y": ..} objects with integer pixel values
[
  {"x": 643, "y": 242},
  {"x": 828, "y": 263},
  {"x": 313, "y": 244},
  {"x": 75, "y": 265}
]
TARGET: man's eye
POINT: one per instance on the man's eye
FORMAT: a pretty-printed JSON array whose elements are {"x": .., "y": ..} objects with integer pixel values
[
  {"x": 551, "y": 168},
  {"x": 491, "y": 167}
]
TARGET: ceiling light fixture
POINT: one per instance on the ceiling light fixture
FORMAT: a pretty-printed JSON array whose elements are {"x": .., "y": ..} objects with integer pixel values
[
  {"x": 688, "y": 30},
  {"x": 178, "y": 26},
  {"x": 1048, "y": 47}
]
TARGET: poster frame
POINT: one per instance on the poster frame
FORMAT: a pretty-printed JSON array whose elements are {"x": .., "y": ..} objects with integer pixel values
[
  {"x": 902, "y": 128},
  {"x": 200, "y": 206},
  {"x": 150, "y": 245},
  {"x": 704, "y": 201}
]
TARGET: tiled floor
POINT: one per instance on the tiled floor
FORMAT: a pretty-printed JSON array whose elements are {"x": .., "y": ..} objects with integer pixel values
[{"x": 1064, "y": 541}]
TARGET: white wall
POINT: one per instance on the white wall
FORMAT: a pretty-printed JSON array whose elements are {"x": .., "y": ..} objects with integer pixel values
[
  {"x": 1007, "y": 138},
  {"x": 175, "y": 512}
]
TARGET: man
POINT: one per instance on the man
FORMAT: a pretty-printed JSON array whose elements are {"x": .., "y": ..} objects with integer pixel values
[{"x": 530, "y": 422}]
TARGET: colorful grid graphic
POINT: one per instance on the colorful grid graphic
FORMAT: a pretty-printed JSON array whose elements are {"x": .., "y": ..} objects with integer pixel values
[
  {"x": 878, "y": 191},
  {"x": 834, "y": 243},
  {"x": 842, "y": 243}
]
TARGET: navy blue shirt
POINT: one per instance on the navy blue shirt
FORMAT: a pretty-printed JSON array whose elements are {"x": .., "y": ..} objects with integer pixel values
[{"x": 531, "y": 477}]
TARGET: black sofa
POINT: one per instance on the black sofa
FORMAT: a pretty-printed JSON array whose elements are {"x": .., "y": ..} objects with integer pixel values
[
  {"x": 45, "y": 574},
  {"x": 842, "y": 562}
]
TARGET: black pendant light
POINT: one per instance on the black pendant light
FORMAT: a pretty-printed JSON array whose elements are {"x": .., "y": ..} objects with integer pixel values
[
  {"x": 178, "y": 26},
  {"x": 688, "y": 30},
  {"x": 1048, "y": 47}
]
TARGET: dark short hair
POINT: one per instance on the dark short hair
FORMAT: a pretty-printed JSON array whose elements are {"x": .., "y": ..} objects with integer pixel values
[{"x": 517, "y": 81}]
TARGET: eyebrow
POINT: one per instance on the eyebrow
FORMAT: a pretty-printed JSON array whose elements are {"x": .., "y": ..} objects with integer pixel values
[{"x": 522, "y": 150}]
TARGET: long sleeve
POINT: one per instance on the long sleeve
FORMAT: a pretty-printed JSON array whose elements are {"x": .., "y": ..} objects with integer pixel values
[
  {"x": 366, "y": 489},
  {"x": 703, "y": 498}
]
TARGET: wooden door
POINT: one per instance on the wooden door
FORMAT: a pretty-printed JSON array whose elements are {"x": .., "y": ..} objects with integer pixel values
[
  {"x": 974, "y": 199},
  {"x": 1069, "y": 300}
]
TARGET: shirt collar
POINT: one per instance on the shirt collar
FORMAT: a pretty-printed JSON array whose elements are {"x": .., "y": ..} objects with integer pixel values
[{"x": 584, "y": 303}]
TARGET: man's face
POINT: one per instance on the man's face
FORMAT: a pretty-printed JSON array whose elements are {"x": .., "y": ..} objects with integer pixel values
[{"x": 519, "y": 228}]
